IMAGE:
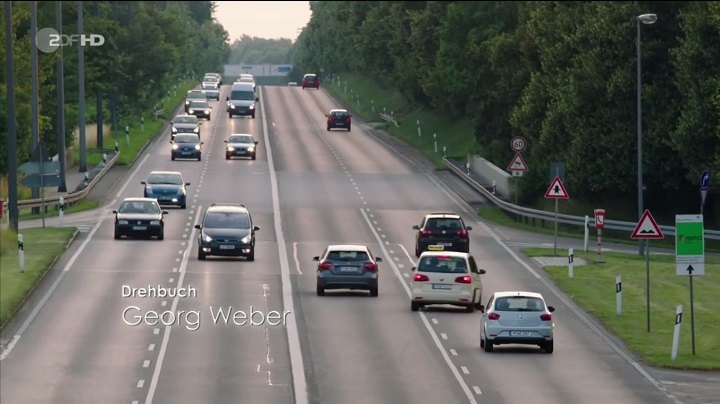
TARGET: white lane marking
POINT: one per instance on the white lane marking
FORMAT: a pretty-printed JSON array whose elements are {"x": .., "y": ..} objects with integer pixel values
[
  {"x": 423, "y": 317},
  {"x": 401, "y": 266},
  {"x": 295, "y": 256},
  {"x": 453, "y": 352},
  {"x": 599, "y": 332},
  {"x": 175, "y": 269},
  {"x": 434, "y": 321},
  {"x": 135, "y": 402},
  {"x": 406, "y": 275},
  {"x": 151, "y": 347},
  {"x": 172, "y": 280},
  {"x": 140, "y": 383},
  {"x": 296, "y": 359},
  {"x": 396, "y": 259},
  {"x": 166, "y": 333},
  {"x": 465, "y": 370},
  {"x": 49, "y": 293},
  {"x": 443, "y": 336},
  {"x": 156, "y": 331},
  {"x": 477, "y": 390},
  {"x": 163, "y": 303},
  {"x": 146, "y": 363},
  {"x": 410, "y": 258},
  {"x": 122, "y": 189},
  {"x": 391, "y": 251}
]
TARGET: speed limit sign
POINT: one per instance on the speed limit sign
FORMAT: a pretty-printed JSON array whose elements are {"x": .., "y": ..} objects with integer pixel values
[{"x": 518, "y": 144}]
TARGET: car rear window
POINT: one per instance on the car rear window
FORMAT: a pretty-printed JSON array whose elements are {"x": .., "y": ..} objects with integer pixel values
[
  {"x": 440, "y": 224},
  {"x": 519, "y": 303},
  {"x": 443, "y": 264},
  {"x": 347, "y": 256}
]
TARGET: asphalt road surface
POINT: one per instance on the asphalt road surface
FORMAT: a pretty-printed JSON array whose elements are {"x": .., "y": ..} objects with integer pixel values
[{"x": 308, "y": 188}]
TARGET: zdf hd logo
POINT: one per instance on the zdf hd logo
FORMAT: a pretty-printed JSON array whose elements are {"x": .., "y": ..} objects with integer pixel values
[{"x": 48, "y": 40}]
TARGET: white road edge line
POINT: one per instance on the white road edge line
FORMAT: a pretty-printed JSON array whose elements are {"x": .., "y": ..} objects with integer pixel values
[
  {"x": 49, "y": 293},
  {"x": 410, "y": 258},
  {"x": 296, "y": 359},
  {"x": 425, "y": 321},
  {"x": 295, "y": 256},
  {"x": 599, "y": 332},
  {"x": 168, "y": 328}
]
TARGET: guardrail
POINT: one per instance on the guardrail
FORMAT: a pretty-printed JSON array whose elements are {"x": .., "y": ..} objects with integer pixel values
[
  {"x": 388, "y": 118},
  {"x": 550, "y": 216},
  {"x": 70, "y": 197}
]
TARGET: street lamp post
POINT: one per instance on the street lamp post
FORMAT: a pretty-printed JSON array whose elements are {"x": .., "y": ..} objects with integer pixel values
[{"x": 645, "y": 19}]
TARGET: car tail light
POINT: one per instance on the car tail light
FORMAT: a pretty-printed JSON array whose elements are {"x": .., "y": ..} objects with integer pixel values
[
  {"x": 420, "y": 278},
  {"x": 325, "y": 265},
  {"x": 347, "y": 119},
  {"x": 330, "y": 120},
  {"x": 425, "y": 232},
  {"x": 546, "y": 317},
  {"x": 493, "y": 316},
  {"x": 370, "y": 266},
  {"x": 462, "y": 233},
  {"x": 463, "y": 279}
]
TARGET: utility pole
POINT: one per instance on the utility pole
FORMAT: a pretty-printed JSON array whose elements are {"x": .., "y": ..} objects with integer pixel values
[
  {"x": 12, "y": 139},
  {"x": 34, "y": 90},
  {"x": 61, "y": 101},
  {"x": 81, "y": 93}
]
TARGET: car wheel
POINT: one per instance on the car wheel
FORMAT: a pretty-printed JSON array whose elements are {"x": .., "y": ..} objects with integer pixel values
[
  {"x": 417, "y": 250},
  {"x": 470, "y": 308},
  {"x": 320, "y": 290},
  {"x": 548, "y": 347},
  {"x": 253, "y": 115},
  {"x": 199, "y": 157},
  {"x": 328, "y": 129},
  {"x": 161, "y": 236},
  {"x": 229, "y": 115},
  {"x": 201, "y": 255},
  {"x": 478, "y": 305},
  {"x": 348, "y": 129},
  {"x": 183, "y": 206},
  {"x": 227, "y": 157},
  {"x": 251, "y": 256},
  {"x": 253, "y": 157},
  {"x": 208, "y": 117},
  {"x": 117, "y": 234},
  {"x": 414, "y": 306},
  {"x": 172, "y": 157},
  {"x": 374, "y": 291},
  {"x": 488, "y": 346}
]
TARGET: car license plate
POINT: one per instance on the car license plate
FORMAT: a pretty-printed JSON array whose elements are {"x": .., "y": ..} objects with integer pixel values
[
  {"x": 436, "y": 247},
  {"x": 139, "y": 227},
  {"x": 445, "y": 244},
  {"x": 227, "y": 247},
  {"x": 441, "y": 287},
  {"x": 347, "y": 269},
  {"x": 186, "y": 153},
  {"x": 520, "y": 333}
]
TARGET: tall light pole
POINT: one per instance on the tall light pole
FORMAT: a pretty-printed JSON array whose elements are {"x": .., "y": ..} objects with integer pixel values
[{"x": 645, "y": 19}]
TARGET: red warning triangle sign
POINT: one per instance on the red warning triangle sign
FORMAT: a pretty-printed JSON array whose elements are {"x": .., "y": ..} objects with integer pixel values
[
  {"x": 517, "y": 164},
  {"x": 556, "y": 190},
  {"x": 647, "y": 228}
]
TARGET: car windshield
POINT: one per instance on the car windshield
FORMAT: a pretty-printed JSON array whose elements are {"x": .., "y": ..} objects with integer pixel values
[
  {"x": 209, "y": 86},
  {"x": 174, "y": 179},
  {"x": 519, "y": 303},
  {"x": 347, "y": 256},
  {"x": 138, "y": 207},
  {"x": 227, "y": 220},
  {"x": 196, "y": 95},
  {"x": 186, "y": 138},
  {"x": 241, "y": 139},
  {"x": 185, "y": 119},
  {"x": 440, "y": 224},
  {"x": 443, "y": 264},
  {"x": 199, "y": 104},
  {"x": 242, "y": 95}
]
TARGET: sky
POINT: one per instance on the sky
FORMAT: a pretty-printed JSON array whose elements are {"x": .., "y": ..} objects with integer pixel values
[{"x": 263, "y": 19}]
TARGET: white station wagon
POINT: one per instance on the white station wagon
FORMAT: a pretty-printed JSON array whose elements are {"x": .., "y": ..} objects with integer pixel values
[{"x": 446, "y": 277}]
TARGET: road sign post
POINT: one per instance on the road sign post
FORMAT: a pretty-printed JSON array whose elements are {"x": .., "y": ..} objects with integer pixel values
[
  {"x": 599, "y": 225},
  {"x": 690, "y": 256},
  {"x": 517, "y": 165},
  {"x": 587, "y": 233},
  {"x": 556, "y": 191},
  {"x": 676, "y": 331},
  {"x": 647, "y": 229}
]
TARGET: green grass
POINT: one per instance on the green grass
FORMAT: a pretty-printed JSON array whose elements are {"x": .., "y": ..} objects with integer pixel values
[
  {"x": 456, "y": 135},
  {"x": 51, "y": 210},
  {"x": 41, "y": 246},
  {"x": 593, "y": 288}
]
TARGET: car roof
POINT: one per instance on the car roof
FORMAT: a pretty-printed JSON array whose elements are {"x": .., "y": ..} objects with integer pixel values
[
  {"x": 196, "y": 91},
  {"x": 166, "y": 172},
  {"x": 454, "y": 254},
  {"x": 310, "y": 74},
  {"x": 136, "y": 199},
  {"x": 227, "y": 207},
  {"x": 512, "y": 293},
  {"x": 338, "y": 110},
  {"x": 241, "y": 134},
  {"x": 443, "y": 215},
  {"x": 185, "y": 116},
  {"x": 347, "y": 247}
]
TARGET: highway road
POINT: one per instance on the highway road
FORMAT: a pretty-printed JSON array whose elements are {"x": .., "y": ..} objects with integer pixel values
[{"x": 308, "y": 188}]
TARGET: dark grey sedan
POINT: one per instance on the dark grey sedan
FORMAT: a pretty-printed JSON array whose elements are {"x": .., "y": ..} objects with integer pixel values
[
  {"x": 139, "y": 217},
  {"x": 186, "y": 146},
  {"x": 184, "y": 124},
  {"x": 347, "y": 267},
  {"x": 200, "y": 109}
]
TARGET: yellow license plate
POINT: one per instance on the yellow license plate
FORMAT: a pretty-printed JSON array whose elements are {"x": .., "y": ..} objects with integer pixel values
[{"x": 436, "y": 247}]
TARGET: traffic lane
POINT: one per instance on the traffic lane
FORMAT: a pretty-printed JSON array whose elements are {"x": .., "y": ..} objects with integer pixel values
[{"x": 580, "y": 349}]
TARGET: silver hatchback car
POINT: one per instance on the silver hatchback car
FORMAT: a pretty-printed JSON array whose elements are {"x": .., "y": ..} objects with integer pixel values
[
  {"x": 517, "y": 317},
  {"x": 347, "y": 266}
]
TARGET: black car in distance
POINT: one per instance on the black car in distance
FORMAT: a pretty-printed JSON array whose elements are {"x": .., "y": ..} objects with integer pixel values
[
  {"x": 241, "y": 145},
  {"x": 186, "y": 146},
  {"x": 139, "y": 217},
  {"x": 184, "y": 124},
  {"x": 227, "y": 230},
  {"x": 200, "y": 109},
  {"x": 194, "y": 95},
  {"x": 442, "y": 232},
  {"x": 339, "y": 118}
]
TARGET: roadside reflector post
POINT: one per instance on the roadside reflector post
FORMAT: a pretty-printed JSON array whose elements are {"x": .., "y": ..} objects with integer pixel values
[
  {"x": 570, "y": 263},
  {"x": 21, "y": 252},
  {"x": 618, "y": 294},
  {"x": 676, "y": 331}
]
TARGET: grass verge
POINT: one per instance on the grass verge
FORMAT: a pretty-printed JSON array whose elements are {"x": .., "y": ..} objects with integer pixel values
[
  {"x": 41, "y": 247},
  {"x": 593, "y": 288},
  {"x": 51, "y": 211}
]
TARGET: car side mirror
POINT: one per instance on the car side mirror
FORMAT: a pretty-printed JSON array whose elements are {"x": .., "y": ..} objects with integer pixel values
[
  {"x": 414, "y": 269},
  {"x": 187, "y": 184},
  {"x": 199, "y": 123},
  {"x": 468, "y": 228},
  {"x": 482, "y": 308},
  {"x": 227, "y": 98},
  {"x": 143, "y": 182},
  {"x": 256, "y": 228},
  {"x": 202, "y": 142},
  {"x": 197, "y": 226},
  {"x": 326, "y": 115},
  {"x": 481, "y": 271},
  {"x": 416, "y": 227},
  {"x": 115, "y": 212},
  {"x": 378, "y": 259},
  {"x": 257, "y": 98},
  {"x": 551, "y": 309},
  {"x": 316, "y": 258},
  {"x": 256, "y": 142},
  {"x": 164, "y": 212},
  {"x": 170, "y": 142},
  {"x": 225, "y": 141}
]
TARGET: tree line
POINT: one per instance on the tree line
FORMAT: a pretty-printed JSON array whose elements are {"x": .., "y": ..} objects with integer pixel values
[
  {"x": 149, "y": 47},
  {"x": 561, "y": 74}
]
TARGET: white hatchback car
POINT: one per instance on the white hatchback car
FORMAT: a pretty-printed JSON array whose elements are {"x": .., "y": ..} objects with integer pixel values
[
  {"x": 517, "y": 317},
  {"x": 446, "y": 277}
]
